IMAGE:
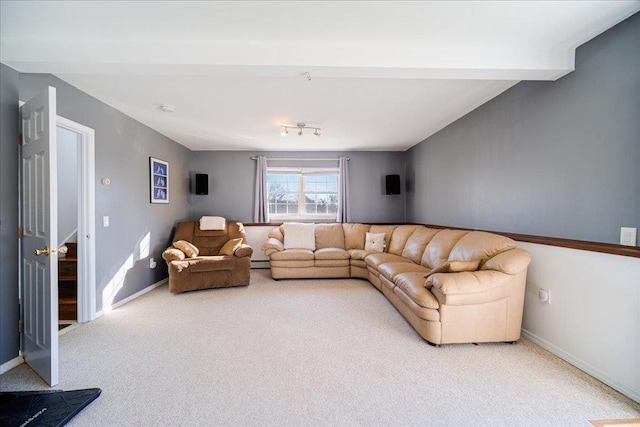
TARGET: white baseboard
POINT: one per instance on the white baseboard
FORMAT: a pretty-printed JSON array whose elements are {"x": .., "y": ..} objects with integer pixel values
[
  {"x": 131, "y": 297},
  {"x": 583, "y": 366},
  {"x": 7, "y": 366}
]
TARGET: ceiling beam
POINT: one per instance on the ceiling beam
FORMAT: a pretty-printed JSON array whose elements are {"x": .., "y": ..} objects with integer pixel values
[{"x": 284, "y": 60}]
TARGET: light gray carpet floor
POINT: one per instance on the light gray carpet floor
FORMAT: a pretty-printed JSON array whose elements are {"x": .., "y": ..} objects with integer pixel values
[{"x": 307, "y": 352}]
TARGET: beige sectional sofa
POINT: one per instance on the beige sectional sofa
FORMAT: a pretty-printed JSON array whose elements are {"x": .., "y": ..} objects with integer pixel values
[{"x": 453, "y": 286}]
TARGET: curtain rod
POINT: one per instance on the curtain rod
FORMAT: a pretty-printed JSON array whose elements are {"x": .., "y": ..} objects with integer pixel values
[{"x": 298, "y": 158}]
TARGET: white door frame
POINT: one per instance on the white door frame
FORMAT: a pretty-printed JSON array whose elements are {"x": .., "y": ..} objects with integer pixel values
[{"x": 86, "y": 219}]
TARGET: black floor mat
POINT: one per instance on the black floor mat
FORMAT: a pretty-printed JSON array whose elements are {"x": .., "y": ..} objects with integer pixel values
[{"x": 43, "y": 408}]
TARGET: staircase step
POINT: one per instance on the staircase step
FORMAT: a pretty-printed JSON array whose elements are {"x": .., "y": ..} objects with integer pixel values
[
  {"x": 67, "y": 310},
  {"x": 67, "y": 269},
  {"x": 67, "y": 292},
  {"x": 72, "y": 249},
  {"x": 67, "y": 283}
]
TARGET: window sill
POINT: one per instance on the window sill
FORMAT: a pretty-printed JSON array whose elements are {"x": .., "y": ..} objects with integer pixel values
[{"x": 297, "y": 218}]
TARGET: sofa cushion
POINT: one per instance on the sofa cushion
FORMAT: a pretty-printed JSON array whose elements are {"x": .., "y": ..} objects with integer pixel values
[
  {"x": 208, "y": 263},
  {"x": 438, "y": 249},
  {"x": 309, "y": 263},
  {"x": 358, "y": 263},
  {"x": 173, "y": 254},
  {"x": 293, "y": 254},
  {"x": 331, "y": 262},
  {"x": 391, "y": 269},
  {"x": 375, "y": 259},
  {"x": 374, "y": 242},
  {"x": 209, "y": 242},
  {"x": 480, "y": 245},
  {"x": 388, "y": 232},
  {"x": 189, "y": 249},
  {"x": 230, "y": 247},
  {"x": 512, "y": 261},
  {"x": 412, "y": 283},
  {"x": 414, "y": 248},
  {"x": 329, "y": 236},
  {"x": 299, "y": 236},
  {"x": 399, "y": 238},
  {"x": 354, "y": 235},
  {"x": 331, "y": 253},
  {"x": 360, "y": 253}
]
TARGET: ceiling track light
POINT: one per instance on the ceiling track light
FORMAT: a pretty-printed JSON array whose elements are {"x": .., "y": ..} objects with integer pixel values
[{"x": 300, "y": 127}]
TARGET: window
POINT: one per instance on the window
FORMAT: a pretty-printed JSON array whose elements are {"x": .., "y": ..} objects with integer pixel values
[{"x": 296, "y": 193}]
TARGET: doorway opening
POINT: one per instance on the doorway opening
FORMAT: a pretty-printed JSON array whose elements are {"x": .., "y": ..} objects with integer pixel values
[{"x": 76, "y": 221}]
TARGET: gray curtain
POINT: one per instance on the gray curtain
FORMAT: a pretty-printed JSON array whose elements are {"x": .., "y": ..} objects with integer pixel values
[
  {"x": 261, "y": 210},
  {"x": 344, "y": 214}
]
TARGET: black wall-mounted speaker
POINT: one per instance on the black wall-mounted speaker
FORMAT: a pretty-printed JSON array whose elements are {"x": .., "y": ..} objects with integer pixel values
[
  {"x": 202, "y": 183},
  {"x": 393, "y": 184}
]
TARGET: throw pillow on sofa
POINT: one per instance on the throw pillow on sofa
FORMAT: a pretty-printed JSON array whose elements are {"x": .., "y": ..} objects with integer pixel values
[
  {"x": 374, "y": 242},
  {"x": 230, "y": 247},
  {"x": 299, "y": 236},
  {"x": 189, "y": 249}
]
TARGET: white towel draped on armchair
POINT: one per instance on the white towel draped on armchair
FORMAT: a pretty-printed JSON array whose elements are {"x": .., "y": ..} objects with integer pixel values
[{"x": 213, "y": 223}]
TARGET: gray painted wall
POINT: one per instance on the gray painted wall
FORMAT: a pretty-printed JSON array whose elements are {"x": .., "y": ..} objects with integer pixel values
[
  {"x": 9, "y": 309},
  {"x": 556, "y": 159},
  {"x": 67, "y": 185},
  {"x": 232, "y": 182},
  {"x": 138, "y": 229}
]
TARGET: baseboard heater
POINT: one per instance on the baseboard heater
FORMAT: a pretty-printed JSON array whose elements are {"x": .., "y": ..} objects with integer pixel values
[{"x": 260, "y": 264}]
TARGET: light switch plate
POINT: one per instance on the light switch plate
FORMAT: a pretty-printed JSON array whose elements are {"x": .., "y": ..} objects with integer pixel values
[
  {"x": 628, "y": 236},
  {"x": 544, "y": 296},
  {"x": 105, "y": 221}
]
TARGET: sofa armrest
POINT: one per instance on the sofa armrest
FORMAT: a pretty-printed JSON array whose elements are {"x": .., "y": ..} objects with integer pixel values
[
  {"x": 467, "y": 282},
  {"x": 470, "y": 287},
  {"x": 173, "y": 254},
  {"x": 243, "y": 250},
  {"x": 272, "y": 245}
]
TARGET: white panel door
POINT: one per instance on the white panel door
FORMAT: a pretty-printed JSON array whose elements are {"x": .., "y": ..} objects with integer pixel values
[{"x": 39, "y": 217}]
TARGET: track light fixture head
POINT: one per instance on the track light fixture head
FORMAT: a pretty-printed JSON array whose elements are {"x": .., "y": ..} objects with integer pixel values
[{"x": 301, "y": 127}]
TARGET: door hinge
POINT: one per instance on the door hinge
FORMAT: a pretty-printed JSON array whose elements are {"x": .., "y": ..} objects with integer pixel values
[
  {"x": 20, "y": 232},
  {"x": 20, "y": 140},
  {"x": 20, "y": 326}
]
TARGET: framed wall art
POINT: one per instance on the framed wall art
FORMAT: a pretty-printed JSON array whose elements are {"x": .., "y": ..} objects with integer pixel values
[{"x": 159, "y": 179}]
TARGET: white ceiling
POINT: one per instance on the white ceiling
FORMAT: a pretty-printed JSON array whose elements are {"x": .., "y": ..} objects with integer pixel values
[{"x": 384, "y": 75}]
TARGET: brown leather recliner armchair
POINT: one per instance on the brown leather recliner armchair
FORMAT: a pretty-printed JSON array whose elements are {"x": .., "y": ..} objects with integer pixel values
[{"x": 208, "y": 269}]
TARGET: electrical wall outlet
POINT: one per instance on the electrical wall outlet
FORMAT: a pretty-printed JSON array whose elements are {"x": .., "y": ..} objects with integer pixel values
[
  {"x": 628, "y": 236},
  {"x": 544, "y": 296},
  {"x": 152, "y": 263}
]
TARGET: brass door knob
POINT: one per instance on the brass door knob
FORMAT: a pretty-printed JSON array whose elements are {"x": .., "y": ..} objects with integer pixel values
[
  {"x": 46, "y": 251},
  {"x": 42, "y": 251}
]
